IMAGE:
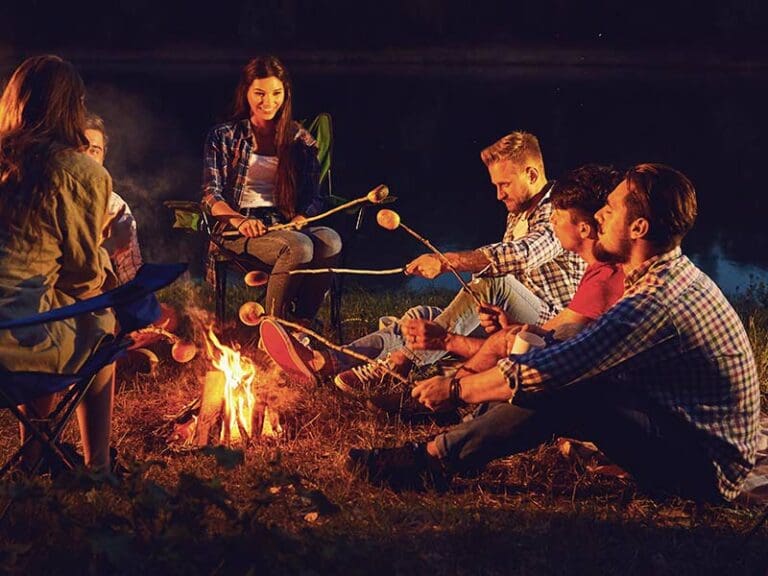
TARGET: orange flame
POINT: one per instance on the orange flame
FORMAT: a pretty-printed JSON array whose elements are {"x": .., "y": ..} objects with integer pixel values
[{"x": 239, "y": 400}]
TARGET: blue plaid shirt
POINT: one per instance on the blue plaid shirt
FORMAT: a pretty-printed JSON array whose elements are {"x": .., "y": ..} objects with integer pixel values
[
  {"x": 228, "y": 149},
  {"x": 537, "y": 260},
  {"x": 674, "y": 336}
]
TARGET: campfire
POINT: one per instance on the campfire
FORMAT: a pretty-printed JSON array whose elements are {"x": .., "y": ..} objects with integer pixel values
[{"x": 233, "y": 408}]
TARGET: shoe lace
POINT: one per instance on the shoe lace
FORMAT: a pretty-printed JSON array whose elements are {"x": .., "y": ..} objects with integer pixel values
[{"x": 371, "y": 371}]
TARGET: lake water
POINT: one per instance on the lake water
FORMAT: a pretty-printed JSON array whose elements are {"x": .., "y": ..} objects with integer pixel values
[{"x": 419, "y": 129}]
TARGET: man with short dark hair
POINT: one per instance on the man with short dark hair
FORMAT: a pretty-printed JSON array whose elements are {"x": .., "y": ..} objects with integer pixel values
[{"x": 664, "y": 383}]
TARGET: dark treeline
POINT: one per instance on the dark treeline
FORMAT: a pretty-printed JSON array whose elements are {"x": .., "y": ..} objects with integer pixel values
[{"x": 733, "y": 27}]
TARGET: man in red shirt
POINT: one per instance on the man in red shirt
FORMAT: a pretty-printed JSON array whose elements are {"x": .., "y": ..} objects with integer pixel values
[{"x": 575, "y": 199}]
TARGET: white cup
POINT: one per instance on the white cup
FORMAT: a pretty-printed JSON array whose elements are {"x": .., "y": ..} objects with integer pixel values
[{"x": 524, "y": 341}]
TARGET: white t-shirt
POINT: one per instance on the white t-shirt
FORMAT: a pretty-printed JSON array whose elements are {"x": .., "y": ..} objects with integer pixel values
[{"x": 260, "y": 182}]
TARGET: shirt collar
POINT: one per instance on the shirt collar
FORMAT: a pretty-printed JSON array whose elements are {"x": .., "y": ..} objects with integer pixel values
[{"x": 632, "y": 277}]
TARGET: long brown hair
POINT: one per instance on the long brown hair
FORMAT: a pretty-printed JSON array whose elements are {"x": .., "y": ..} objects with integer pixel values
[
  {"x": 42, "y": 112},
  {"x": 285, "y": 127}
]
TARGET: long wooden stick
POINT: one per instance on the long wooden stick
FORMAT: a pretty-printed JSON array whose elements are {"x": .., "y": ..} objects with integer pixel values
[
  {"x": 445, "y": 261},
  {"x": 292, "y": 225},
  {"x": 341, "y": 349},
  {"x": 375, "y": 196},
  {"x": 345, "y": 271}
]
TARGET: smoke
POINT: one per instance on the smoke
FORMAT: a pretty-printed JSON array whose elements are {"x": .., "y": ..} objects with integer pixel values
[{"x": 150, "y": 160}]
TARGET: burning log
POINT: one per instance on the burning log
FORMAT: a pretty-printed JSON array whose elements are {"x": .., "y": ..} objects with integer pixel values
[{"x": 212, "y": 405}]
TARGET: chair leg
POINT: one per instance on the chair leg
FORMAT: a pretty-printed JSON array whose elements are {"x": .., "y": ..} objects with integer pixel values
[{"x": 336, "y": 292}]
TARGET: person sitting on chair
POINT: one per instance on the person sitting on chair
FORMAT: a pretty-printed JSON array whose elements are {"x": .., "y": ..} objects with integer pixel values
[
  {"x": 53, "y": 209},
  {"x": 121, "y": 237},
  {"x": 261, "y": 169}
]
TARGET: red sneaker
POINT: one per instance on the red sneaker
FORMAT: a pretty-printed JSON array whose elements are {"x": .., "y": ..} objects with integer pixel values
[{"x": 285, "y": 350}]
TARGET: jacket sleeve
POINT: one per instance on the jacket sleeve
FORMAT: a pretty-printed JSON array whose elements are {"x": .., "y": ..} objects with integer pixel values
[{"x": 214, "y": 169}]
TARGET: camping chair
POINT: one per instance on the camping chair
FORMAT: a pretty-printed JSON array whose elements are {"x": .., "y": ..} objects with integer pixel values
[
  {"x": 135, "y": 306},
  {"x": 190, "y": 217}
]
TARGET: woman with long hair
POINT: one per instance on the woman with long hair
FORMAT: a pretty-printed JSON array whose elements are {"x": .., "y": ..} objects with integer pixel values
[
  {"x": 261, "y": 169},
  {"x": 53, "y": 206}
]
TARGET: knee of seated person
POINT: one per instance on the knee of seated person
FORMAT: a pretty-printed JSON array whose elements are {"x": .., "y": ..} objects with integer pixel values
[
  {"x": 329, "y": 241},
  {"x": 422, "y": 313},
  {"x": 300, "y": 247}
]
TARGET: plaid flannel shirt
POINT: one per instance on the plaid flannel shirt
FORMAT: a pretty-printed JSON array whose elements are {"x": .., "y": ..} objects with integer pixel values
[
  {"x": 228, "y": 149},
  {"x": 537, "y": 259},
  {"x": 674, "y": 336},
  {"x": 126, "y": 256}
]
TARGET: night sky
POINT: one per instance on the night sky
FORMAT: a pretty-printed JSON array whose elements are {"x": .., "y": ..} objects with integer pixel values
[{"x": 733, "y": 29}]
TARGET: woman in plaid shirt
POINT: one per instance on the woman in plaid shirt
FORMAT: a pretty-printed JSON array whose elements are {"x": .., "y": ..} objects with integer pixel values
[{"x": 261, "y": 169}]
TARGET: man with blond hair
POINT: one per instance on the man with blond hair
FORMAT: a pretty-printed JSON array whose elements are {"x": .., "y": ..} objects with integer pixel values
[{"x": 528, "y": 274}]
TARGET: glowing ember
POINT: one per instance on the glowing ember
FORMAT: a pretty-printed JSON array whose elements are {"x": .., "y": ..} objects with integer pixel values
[{"x": 239, "y": 400}]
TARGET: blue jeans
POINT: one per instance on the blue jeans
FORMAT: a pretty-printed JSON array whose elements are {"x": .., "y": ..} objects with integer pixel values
[
  {"x": 459, "y": 317},
  {"x": 660, "y": 450},
  {"x": 284, "y": 250}
]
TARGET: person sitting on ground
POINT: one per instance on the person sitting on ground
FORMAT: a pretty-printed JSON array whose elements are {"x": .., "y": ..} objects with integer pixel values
[
  {"x": 53, "y": 210},
  {"x": 576, "y": 197},
  {"x": 121, "y": 236},
  {"x": 528, "y": 273},
  {"x": 664, "y": 383},
  {"x": 261, "y": 169}
]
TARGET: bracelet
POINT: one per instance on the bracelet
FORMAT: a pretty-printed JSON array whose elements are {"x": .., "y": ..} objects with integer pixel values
[
  {"x": 243, "y": 221},
  {"x": 455, "y": 392}
]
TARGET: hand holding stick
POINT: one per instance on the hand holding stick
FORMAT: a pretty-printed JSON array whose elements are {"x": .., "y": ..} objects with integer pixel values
[
  {"x": 375, "y": 196},
  {"x": 390, "y": 220}
]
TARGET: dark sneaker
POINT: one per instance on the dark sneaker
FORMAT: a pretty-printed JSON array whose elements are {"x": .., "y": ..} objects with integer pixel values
[
  {"x": 404, "y": 406},
  {"x": 360, "y": 380},
  {"x": 406, "y": 467},
  {"x": 287, "y": 352}
]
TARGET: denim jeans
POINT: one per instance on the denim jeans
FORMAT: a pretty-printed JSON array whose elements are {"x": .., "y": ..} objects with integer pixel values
[
  {"x": 660, "y": 450},
  {"x": 459, "y": 317},
  {"x": 284, "y": 250}
]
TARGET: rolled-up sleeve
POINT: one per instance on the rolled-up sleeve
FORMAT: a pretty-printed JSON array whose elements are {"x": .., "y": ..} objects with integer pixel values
[
  {"x": 633, "y": 327},
  {"x": 530, "y": 252}
]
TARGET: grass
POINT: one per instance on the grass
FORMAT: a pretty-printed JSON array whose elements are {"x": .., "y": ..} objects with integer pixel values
[{"x": 288, "y": 505}]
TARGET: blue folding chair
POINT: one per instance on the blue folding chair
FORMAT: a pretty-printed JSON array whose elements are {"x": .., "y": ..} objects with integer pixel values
[{"x": 135, "y": 306}]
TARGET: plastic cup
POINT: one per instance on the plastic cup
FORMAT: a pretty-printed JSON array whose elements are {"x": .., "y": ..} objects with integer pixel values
[{"x": 524, "y": 341}]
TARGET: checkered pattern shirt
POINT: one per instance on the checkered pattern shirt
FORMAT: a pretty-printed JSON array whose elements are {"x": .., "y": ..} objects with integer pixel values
[
  {"x": 537, "y": 260},
  {"x": 674, "y": 336},
  {"x": 228, "y": 149},
  {"x": 125, "y": 257}
]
